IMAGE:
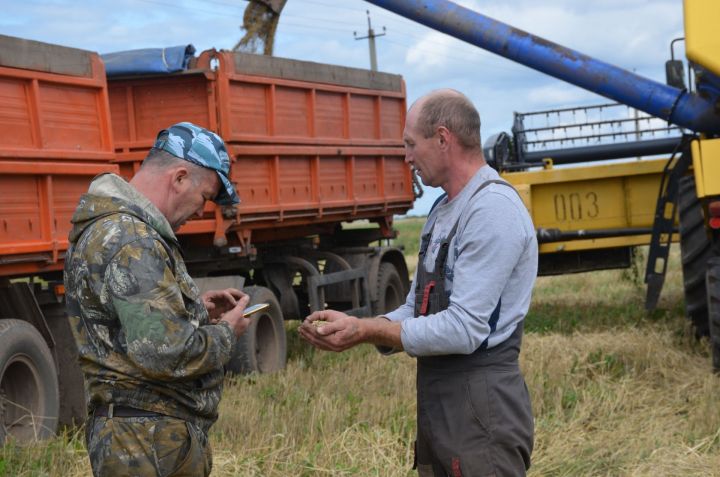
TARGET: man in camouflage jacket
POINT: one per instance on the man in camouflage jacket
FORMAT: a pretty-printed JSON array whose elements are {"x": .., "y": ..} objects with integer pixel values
[{"x": 151, "y": 348}]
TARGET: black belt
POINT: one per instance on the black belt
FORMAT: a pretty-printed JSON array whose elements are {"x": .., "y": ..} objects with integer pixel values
[
  {"x": 123, "y": 411},
  {"x": 503, "y": 356}
]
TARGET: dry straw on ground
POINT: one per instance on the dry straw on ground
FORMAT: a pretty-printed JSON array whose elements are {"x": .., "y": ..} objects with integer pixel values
[{"x": 616, "y": 392}]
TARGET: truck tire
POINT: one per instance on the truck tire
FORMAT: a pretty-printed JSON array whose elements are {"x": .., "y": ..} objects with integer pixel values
[
  {"x": 696, "y": 250},
  {"x": 263, "y": 346},
  {"x": 73, "y": 408},
  {"x": 389, "y": 289},
  {"x": 713, "y": 303},
  {"x": 29, "y": 397}
]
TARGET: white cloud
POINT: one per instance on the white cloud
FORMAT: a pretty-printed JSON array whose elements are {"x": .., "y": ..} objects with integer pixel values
[
  {"x": 555, "y": 95},
  {"x": 430, "y": 53}
]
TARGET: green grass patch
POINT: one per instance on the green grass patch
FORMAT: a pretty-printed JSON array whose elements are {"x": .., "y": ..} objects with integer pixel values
[{"x": 409, "y": 234}]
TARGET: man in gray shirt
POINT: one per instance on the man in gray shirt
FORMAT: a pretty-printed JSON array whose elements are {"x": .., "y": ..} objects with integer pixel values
[{"x": 463, "y": 317}]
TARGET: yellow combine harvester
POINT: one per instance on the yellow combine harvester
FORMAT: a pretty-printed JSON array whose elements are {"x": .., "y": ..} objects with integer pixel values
[{"x": 589, "y": 216}]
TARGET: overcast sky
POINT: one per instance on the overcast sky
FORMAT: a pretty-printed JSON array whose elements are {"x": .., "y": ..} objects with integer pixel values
[{"x": 633, "y": 34}]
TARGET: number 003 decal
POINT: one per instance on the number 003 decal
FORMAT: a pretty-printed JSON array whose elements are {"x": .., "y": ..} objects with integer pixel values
[{"x": 575, "y": 206}]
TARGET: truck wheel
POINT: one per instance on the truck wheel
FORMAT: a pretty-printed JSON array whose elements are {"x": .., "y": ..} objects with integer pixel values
[
  {"x": 29, "y": 399},
  {"x": 263, "y": 346},
  {"x": 713, "y": 304},
  {"x": 696, "y": 250},
  {"x": 389, "y": 289},
  {"x": 73, "y": 408}
]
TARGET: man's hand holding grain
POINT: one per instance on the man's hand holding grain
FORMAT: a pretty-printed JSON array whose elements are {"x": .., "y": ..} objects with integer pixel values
[{"x": 331, "y": 330}]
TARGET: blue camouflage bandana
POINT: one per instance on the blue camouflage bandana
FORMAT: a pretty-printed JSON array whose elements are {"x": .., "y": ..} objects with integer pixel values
[{"x": 203, "y": 148}]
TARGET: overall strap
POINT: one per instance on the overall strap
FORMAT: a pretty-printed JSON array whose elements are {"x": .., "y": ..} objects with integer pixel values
[
  {"x": 425, "y": 239},
  {"x": 432, "y": 296},
  {"x": 480, "y": 187}
]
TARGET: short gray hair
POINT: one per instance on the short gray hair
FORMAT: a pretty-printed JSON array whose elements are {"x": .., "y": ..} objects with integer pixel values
[
  {"x": 453, "y": 110},
  {"x": 161, "y": 159}
]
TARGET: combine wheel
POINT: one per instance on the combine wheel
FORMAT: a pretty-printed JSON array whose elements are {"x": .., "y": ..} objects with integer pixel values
[
  {"x": 263, "y": 346},
  {"x": 389, "y": 289},
  {"x": 29, "y": 397},
  {"x": 695, "y": 250},
  {"x": 713, "y": 304}
]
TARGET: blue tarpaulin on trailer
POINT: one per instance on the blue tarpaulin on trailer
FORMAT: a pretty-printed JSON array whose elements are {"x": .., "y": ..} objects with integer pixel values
[{"x": 148, "y": 61}]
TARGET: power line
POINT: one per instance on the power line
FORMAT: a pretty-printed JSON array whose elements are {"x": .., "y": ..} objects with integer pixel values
[
  {"x": 403, "y": 22},
  {"x": 225, "y": 14},
  {"x": 329, "y": 20},
  {"x": 291, "y": 25},
  {"x": 332, "y": 5},
  {"x": 231, "y": 5},
  {"x": 312, "y": 27},
  {"x": 184, "y": 7},
  {"x": 289, "y": 16},
  {"x": 444, "y": 54},
  {"x": 285, "y": 24}
]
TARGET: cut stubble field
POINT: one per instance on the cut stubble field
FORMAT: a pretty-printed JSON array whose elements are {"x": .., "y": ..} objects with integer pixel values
[{"x": 616, "y": 391}]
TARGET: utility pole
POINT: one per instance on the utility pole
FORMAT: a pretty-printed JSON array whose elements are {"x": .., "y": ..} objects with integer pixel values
[{"x": 371, "y": 37}]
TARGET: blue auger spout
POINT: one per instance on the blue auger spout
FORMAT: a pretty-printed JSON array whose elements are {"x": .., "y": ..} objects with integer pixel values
[{"x": 674, "y": 105}]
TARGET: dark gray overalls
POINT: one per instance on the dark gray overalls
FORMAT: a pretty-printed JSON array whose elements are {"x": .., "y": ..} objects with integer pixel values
[{"x": 473, "y": 411}]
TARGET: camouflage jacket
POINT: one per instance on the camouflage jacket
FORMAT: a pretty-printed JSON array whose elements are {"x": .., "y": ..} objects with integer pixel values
[{"x": 139, "y": 322}]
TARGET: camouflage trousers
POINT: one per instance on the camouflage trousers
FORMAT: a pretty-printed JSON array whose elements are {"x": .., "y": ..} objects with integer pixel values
[{"x": 147, "y": 446}]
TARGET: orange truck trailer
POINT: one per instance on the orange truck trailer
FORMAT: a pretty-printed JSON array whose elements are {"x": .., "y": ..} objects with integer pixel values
[{"x": 312, "y": 146}]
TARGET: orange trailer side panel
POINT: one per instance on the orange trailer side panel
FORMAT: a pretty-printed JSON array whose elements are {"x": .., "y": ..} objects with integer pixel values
[
  {"x": 55, "y": 136},
  {"x": 310, "y": 144},
  {"x": 140, "y": 108},
  {"x": 15, "y": 114}
]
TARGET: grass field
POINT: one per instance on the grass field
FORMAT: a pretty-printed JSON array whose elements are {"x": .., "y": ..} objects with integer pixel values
[{"x": 615, "y": 391}]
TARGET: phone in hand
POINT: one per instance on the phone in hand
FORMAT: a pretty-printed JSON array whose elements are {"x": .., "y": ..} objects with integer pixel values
[{"x": 252, "y": 309}]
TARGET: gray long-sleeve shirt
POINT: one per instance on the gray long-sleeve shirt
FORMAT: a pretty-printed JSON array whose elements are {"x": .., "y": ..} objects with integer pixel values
[{"x": 492, "y": 258}]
